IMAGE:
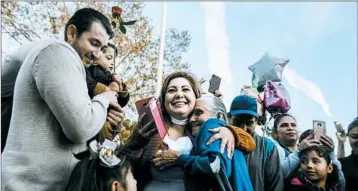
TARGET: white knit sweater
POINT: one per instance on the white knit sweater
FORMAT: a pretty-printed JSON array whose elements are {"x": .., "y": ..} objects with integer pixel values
[{"x": 52, "y": 118}]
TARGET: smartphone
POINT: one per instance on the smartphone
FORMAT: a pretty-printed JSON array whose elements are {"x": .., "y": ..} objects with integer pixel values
[
  {"x": 151, "y": 107},
  {"x": 214, "y": 83},
  {"x": 339, "y": 127},
  {"x": 319, "y": 128}
]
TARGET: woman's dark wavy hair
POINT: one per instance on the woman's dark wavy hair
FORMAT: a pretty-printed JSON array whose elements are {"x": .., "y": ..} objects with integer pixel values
[
  {"x": 194, "y": 83},
  {"x": 332, "y": 178},
  {"x": 90, "y": 175}
]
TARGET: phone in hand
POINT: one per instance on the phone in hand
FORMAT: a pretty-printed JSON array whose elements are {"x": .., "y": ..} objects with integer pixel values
[
  {"x": 214, "y": 83},
  {"x": 151, "y": 107},
  {"x": 319, "y": 128},
  {"x": 339, "y": 127}
]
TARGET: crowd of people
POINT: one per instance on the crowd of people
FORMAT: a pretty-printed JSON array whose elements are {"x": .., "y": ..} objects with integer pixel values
[{"x": 62, "y": 113}]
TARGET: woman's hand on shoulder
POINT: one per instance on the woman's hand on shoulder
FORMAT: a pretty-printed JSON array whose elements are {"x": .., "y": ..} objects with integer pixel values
[{"x": 227, "y": 139}]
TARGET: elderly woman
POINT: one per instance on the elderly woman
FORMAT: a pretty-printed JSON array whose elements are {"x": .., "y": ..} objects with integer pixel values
[
  {"x": 179, "y": 93},
  {"x": 210, "y": 113}
]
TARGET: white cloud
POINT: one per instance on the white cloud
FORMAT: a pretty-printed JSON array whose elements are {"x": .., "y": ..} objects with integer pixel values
[
  {"x": 317, "y": 18},
  {"x": 307, "y": 87},
  {"x": 217, "y": 44}
]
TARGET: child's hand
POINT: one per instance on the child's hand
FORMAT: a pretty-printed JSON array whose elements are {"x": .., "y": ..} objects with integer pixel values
[
  {"x": 114, "y": 86},
  {"x": 115, "y": 78}
]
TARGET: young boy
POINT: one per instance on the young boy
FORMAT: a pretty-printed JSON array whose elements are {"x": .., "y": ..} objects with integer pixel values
[
  {"x": 316, "y": 173},
  {"x": 100, "y": 79}
]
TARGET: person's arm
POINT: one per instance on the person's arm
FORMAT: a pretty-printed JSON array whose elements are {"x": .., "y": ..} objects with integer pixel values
[
  {"x": 93, "y": 86},
  {"x": 289, "y": 163},
  {"x": 201, "y": 164},
  {"x": 336, "y": 162},
  {"x": 231, "y": 138},
  {"x": 273, "y": 174},
  {"x": 243, "y": 140},
  {"x": 341, "y": 140},
  {"x": 140, "y": 137},
  {"x": 340, "y": 151},
  {"x": 60, "y": 79}
]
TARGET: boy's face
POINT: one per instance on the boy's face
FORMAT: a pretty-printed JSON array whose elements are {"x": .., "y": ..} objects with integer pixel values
[
  {"x": 106, "y": 60},
  {"x": 199, "y": 116},
  {"x": 315, "y": 167}
]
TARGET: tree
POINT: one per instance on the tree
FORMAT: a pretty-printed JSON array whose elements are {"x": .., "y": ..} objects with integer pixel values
[{"x": 138, "y": 49}]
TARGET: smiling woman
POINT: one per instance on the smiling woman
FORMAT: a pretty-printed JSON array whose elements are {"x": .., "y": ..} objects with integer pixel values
[
  {"x": 178, "y": 95},
  {"x": 188, "y": 90}
]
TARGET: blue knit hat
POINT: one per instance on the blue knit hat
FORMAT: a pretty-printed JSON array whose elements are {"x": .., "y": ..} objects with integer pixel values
[{"x": 353, "y": 124}]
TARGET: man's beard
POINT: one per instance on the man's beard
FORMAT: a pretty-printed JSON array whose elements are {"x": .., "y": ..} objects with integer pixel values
[
  {"x": 75, "y": 45},
  {"x": 87, "y": 58}
]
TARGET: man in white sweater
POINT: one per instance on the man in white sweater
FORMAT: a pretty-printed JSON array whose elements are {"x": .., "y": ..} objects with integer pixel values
[{"x": 53, "y": 116}]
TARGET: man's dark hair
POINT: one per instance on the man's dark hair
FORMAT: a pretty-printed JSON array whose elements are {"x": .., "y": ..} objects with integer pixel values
[
  {"x": 353, "y": 124},
  {"x": 84, "y": 18}
]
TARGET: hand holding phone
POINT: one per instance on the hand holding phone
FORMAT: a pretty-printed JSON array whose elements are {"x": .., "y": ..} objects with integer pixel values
[
  {"x": 319, "y": 128},
  {"x": 214, "y": 83},
  {"x": 152, "y": 111},
  {"x": 339, "y": 127}
]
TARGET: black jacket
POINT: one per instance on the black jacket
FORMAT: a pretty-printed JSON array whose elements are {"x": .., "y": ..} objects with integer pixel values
[
  {"x": 350, "y": 171},
  {"x": 95, "y": 74}
]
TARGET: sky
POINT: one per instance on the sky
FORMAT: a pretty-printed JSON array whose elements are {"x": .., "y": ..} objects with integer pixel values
[{"x": 319, "y": 39}]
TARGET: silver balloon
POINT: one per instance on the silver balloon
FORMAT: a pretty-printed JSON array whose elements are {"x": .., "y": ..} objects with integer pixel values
[{"x": 268, "y": 68}]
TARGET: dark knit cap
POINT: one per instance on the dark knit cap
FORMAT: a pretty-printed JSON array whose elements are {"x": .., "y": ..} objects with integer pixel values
[{"x": 353, "y": 124}]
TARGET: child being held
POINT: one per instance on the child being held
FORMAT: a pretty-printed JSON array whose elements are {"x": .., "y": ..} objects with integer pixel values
[
  {"x": 100, "y": 78},
  {"x": 316, "y": 172},
  {"x": 99, "y": 169}
]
